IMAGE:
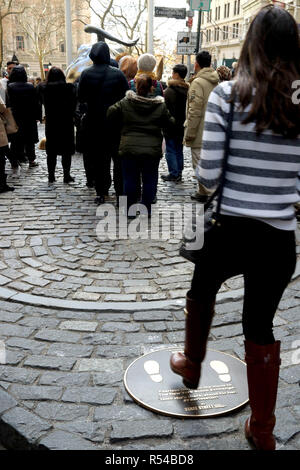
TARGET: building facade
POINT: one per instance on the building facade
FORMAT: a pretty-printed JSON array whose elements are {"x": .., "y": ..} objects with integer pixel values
[
  {"x": 221, "y": 31},
  {"x": 19, "y": 42},
  {"x": 224, "y": 27}
]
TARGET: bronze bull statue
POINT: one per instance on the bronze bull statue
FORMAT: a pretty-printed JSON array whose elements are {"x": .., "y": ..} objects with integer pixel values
[{"x": 83, "y": 60}]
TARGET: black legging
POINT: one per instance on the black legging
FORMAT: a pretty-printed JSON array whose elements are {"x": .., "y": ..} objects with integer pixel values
[{"x": 265, "y": 255}]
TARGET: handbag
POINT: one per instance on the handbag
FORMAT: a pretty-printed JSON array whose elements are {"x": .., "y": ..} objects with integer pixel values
[
  {"x": 42, "y": 144},
  {"x": 211, "y": 215},
  {"x": 9, "y": 121}
]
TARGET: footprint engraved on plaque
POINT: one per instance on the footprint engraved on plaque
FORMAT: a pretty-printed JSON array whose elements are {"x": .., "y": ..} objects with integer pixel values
[
  {"x": 152, "y": 368},
  {"x": 221, "y": 369}
]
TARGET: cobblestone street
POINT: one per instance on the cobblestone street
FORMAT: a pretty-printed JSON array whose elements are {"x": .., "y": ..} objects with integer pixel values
[{"x": 76, "y": 311}]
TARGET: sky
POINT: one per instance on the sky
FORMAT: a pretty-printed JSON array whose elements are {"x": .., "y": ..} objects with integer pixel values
[{"x": 170, "y": 26}]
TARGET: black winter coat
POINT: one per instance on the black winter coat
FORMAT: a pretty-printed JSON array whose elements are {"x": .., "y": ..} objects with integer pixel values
[
  {"x": 59, "y": 99},
  {"x": 176, "y": 97},
  {"x": 100, "y": 86},
  {"x": 22, "y": 98}
]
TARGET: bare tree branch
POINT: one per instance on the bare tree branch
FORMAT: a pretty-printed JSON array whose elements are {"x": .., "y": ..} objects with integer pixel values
[
  {"x": 8, "y": 8},
  {"x": 43, "y": 24},
  {"x": 126, "y": 22}
]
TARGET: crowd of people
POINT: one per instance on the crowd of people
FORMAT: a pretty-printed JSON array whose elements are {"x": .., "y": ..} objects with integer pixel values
[
  {"x": 83, "y": 102},
  {"x": 123, "y": 110}
]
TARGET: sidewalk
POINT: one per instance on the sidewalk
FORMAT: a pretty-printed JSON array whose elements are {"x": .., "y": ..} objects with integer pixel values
[{"x": 74, "y": 313}]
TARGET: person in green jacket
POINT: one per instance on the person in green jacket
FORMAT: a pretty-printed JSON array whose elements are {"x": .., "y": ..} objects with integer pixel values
[{"x": 140, "y": 117}]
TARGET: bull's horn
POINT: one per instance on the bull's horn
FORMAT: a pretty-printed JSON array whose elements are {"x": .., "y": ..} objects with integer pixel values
[{"x": 102, "y": 35}]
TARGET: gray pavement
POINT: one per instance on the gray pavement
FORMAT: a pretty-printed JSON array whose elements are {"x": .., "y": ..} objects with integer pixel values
[{"x": 75, "y": 311}]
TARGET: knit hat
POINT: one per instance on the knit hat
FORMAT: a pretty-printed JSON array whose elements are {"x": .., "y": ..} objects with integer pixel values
[{"x": 146, "y": 62}]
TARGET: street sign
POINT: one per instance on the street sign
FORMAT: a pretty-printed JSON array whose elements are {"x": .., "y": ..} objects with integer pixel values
[
  {"x": 203, "y": 5},
  {"x": 178, "y": 13},
  {"x": 186, "y": 43}
]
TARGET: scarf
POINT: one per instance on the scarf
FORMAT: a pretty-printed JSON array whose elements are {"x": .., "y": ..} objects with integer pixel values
[{"x": 142, "y": 72}]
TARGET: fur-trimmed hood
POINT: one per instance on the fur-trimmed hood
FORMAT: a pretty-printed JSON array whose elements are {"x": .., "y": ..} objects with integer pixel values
[
  {"x": 209, "y": 74},
  {"x": 132, "y": 96},
  {"x": 179, "y": 83}
]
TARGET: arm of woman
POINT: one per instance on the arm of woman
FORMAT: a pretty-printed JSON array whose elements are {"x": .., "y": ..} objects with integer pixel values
[
  {"x": 209, "y": 168},
  {"x": 114, "y": 114}
]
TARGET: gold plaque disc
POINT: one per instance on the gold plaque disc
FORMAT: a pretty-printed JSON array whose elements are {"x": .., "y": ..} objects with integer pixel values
[{"x": 223, "y": 387}]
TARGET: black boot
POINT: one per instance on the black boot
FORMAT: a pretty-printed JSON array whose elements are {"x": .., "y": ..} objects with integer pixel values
[
  {"x": 51, "y": 164},
  {"x": 68, "y": 178},
  {"x": 100, "y": 200},
  {"x": 3, "y": 186},
  {"x": 51, "y": 178},
  {"x": 66, "y": 163}
]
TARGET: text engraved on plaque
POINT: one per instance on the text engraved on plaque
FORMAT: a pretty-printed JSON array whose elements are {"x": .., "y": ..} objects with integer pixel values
[{"x": 210, "y": 392}]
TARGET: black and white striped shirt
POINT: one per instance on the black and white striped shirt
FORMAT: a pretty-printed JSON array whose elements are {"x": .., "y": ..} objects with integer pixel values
[{"x": 263, "y": 173}]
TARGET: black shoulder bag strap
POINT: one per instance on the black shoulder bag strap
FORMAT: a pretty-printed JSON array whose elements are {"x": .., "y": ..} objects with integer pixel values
[{"x": 220, "y": 188}]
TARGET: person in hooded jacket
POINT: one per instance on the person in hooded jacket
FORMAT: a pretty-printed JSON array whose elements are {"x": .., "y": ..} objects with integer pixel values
[
  {"x": 59, "y": 99},
  {"x": 202, "y": 84},
  {"x": 23, "y": 100},
  {"x": 141, "y": 117},
  {"x": 175, "y": 98},
  {"x": 100, "y": 86}
]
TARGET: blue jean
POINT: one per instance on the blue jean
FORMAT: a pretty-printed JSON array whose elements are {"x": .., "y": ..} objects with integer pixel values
[
  {"x": 174, "y": 156},
  {"x": 133, "y": 169}
]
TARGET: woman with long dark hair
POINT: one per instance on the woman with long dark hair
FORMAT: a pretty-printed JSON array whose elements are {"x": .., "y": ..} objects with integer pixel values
[
  {"x": 256, "y": 232},
  {"x": 59, "y": 99},
  {"x": 23, "y": 100}
]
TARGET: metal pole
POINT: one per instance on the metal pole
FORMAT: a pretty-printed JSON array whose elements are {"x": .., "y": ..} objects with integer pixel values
[
  {"x": 189, "y": 62},
  {"x": 69, "y": 42},
  {"x": 150, "y": 26},
  {"x": 198, "y": 44}
]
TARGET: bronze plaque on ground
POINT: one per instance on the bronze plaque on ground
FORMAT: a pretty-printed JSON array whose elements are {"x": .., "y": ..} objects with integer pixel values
[{"x": 222, "y": 388}]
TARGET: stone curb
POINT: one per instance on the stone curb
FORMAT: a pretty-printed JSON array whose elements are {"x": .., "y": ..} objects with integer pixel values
[
  {"x": 29, "y": 299},
  {"x": 10, "y": 436},
  {"x": 35, "y": 300}
]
